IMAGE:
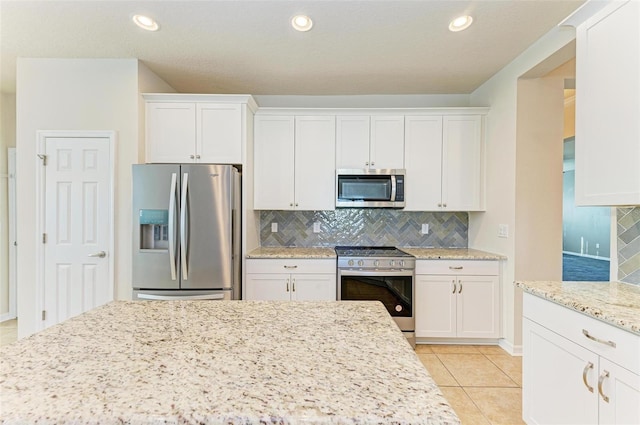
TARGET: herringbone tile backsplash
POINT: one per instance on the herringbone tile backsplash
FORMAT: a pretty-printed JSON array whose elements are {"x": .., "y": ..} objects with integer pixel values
[
  {"x": 362, "y": 227},
  {"x": 629, "y": 245}
]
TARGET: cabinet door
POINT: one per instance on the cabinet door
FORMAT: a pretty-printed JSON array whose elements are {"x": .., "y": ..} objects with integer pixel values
[
  {"x": 268, "y": 287},
  {"x": 477, "y": 307},
  {"x": 387, "y": 142},
  {"x": 435, "y": 309},
  {"x": 352, "y": 142},
  {"x": 171, "y": 132},
  {"x": 622, "y": 388},
  {"x": 315, "y": 169},
  {"x": 274, "y": 163},
  {"x": 219, "y": 133},
  {"x": 462, "y": 179},
  {"x": 554, "y": 374},
  {"x": 608, "y": 107},
  {"x": 313, "y": 287},
  {"x": 423, "y": 162}
]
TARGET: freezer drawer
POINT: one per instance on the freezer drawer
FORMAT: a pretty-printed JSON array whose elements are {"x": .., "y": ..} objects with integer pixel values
[{"x": 224, "y": 295}]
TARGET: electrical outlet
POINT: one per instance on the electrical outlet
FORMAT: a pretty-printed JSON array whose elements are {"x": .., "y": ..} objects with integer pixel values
[
  {"x": 425, "y": 229},
  {"x": 503, "y": 230},
  {"x": 274, "y": 227},
  {"x": 316, "y": 227}
]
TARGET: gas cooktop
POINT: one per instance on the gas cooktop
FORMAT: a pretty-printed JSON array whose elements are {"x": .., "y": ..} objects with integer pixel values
[{"x": 370, "y": 251}]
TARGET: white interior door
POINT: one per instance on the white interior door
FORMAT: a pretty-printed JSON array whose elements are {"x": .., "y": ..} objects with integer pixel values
[
  {"x": 13, "y": 237},
  {"x": 77, "y": 226}
]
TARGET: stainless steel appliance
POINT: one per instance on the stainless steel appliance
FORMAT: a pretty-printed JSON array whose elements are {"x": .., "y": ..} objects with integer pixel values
[
  {"x": 186, "y": 231},
  {"x": 383, "y": 274},
  {"x": 370, "y": 188}
]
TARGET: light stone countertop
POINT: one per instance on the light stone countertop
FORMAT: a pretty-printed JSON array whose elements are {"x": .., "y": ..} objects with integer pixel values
[
  {"x": 615, "y": 303},
  {"x": 292, "y": 252},
  {"x": 220, "y": 362},
  {"x": 451, "y": 254}
]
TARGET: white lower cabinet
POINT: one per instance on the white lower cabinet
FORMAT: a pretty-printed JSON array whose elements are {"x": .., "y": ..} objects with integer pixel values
[
  {"x": 457, "y": 299},
  {"x": 567, "y": 376},
  {"x": 291, "y": 280}
]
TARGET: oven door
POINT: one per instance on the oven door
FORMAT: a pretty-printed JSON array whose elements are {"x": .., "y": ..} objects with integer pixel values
[{"x": 393, "y": 288}]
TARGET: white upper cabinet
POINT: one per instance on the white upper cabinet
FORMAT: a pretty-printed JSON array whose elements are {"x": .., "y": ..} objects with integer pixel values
[
  {"x": 608, "y": 106},
  {"x": 219, "y": 133},
  {"x": 315, "y": 163},
  {"x": 444, "y": 159},
  {"x": 370, "y": 142},
  {"x": 196, "y": 128},
  {"x": 170, "y": 132},
  {"x": 294, "y": 162},
  {"x": 274, "y": 162}
]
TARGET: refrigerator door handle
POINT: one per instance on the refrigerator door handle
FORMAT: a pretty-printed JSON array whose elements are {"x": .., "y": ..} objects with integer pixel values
[
  {"x": 172, "y": 230},
  {"x": 180, "y": 297},
  {"x": 183, "y": 226}
]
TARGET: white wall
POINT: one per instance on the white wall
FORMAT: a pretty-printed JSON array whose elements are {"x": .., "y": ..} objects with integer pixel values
[
  {"x": 500, "y": 93},
  {"x": 75, "y": 94},
  {"x": 7, "y": 140}
]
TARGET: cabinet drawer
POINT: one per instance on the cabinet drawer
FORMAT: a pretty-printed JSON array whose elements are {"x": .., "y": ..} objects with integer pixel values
[
  {"x": 292, "y": 265},
  {"x": 458, "y": 267},
  {"x": 570, "y": 324}
]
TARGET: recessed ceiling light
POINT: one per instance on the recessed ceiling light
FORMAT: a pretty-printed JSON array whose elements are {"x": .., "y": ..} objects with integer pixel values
[
  {"x": 302, "y": 23},
  {"x": 145, "y": 22},
  {"x": 460, "y": 23}
]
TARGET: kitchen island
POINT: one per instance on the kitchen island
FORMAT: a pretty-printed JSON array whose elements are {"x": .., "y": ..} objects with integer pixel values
[{"x": 235, "y": 362}]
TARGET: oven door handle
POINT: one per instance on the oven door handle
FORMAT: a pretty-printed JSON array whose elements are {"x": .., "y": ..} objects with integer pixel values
[{"x": 376, "y": 273}]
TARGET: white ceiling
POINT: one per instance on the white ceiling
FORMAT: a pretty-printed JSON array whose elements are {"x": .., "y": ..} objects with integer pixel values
[{"x": 242, "y": 46}]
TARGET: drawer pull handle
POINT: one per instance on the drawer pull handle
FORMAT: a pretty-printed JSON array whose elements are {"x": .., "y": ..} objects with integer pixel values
[
  {"x": 603, "y": 376},
  {"x": 456, "y": 267},
  {"x": 290, "y": 267},
  {"x": 601, "y": 341},
  {"x": 584, "y": 376}
]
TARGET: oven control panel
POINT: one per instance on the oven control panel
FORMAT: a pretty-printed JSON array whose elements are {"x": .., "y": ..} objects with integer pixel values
[{"x": 377, "y": 263}]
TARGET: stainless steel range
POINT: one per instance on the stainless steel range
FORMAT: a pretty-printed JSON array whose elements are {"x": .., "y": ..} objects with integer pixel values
[{"x": 379, "y": 274}]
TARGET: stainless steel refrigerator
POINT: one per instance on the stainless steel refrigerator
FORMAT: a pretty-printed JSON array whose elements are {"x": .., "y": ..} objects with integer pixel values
[{"x": 186, "y": 231}]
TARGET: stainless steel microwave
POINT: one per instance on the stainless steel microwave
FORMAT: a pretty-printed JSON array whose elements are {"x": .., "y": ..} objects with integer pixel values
[{"x": 370, "y": 188}]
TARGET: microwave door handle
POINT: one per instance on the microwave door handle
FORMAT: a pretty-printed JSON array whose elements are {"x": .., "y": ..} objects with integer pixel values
[{"x": 393, "y": 189}]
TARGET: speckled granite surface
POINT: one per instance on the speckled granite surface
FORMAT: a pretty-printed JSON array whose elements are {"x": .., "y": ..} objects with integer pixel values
[
  {"x": 231, "y": 362},
  {"x": 451, "y": 254},
  {"x": 292, "y": 252},
  {"x": 612, "y": 302}
]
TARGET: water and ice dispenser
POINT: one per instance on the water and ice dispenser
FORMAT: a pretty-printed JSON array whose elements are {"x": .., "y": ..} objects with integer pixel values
[{"x": 154, "y": 229}]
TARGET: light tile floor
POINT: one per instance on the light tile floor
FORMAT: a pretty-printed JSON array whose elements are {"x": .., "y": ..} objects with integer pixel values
[
  {"x": 482, "y": 383},
  {"x": 8, "y": 332}
]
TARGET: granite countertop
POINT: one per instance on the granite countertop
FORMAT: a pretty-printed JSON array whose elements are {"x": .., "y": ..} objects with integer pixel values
[
  {"x": 292, "y": 252},
  {"x": 232, "y": 362},
  {"x": 613, "y": 302},
  {"x": 451, "y": 254}
]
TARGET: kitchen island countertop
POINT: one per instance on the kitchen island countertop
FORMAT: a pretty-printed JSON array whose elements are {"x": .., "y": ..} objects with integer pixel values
[
  {"x": 615, "y": 303},
  {"x": 232, "y": 362},
  {"x": 451, "y": 254},
  {"x": 292, "y": 252}
]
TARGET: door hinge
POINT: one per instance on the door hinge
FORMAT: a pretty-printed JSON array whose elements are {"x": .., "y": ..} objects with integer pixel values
[
  {"x": 44, "y": 315},
  {"x": 43, "y": 158},
  {"x": 44, "y": 238}
]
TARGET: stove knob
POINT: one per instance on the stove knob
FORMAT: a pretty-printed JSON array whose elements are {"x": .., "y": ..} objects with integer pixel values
[
  {"x": 392, "y": 263},
  {"x": 376, "y": 263},
  {"x": 350, "y": 262},
  {"x": 401, "y": 263},
  {"x": 361, "y": 263}
]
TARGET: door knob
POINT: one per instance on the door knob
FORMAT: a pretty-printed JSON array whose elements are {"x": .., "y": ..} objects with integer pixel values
[{"x": 100, "y": 254}]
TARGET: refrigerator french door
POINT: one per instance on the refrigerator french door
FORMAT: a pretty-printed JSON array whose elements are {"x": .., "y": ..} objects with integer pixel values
[{"x": 186, "y": 231}]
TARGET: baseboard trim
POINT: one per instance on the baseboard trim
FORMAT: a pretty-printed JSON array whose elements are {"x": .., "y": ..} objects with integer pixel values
[
  {"x": 514, "y": 350},
  {"x": 6, "y": 316}
]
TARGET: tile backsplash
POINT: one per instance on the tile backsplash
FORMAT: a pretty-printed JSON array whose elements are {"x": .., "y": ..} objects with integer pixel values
[
  {"x": 629, "y": 244},
  {"x": 361, "y": 227}
]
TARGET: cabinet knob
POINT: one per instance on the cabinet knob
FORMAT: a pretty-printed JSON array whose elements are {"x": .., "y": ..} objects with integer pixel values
[
  {"x": 439, "y": 205},
  {"x": 296, "y": 204},
  {"x": 373, "y": 163},
  {"x": 366, "y": 163},
  {"x": 197, "y": 156},
  {"x": 192, "y": 156},
  {"x": 444, "y": 205},
  {"x": 291, "y": 204}
]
